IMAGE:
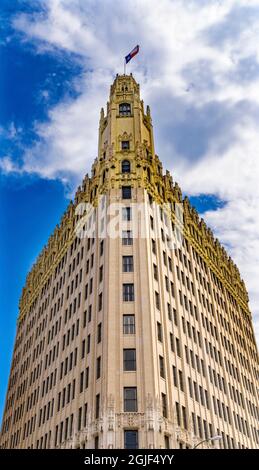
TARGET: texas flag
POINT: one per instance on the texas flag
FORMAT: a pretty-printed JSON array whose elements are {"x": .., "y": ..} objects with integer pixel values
[{"x": 131, "y": 54}]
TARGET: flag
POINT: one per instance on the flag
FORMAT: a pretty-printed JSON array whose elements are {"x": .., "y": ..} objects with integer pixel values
[{"x": 131, "y": 54}]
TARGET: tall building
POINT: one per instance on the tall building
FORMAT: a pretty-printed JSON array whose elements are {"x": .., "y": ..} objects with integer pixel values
[{"x": 134, "y": 327}]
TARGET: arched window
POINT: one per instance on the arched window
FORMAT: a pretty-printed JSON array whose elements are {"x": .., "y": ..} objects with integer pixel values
[
  {"x": 124, "y": 109},
  {"x": 125, "y": 166}
]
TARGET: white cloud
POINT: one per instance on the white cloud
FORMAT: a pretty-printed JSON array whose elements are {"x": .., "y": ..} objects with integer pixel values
[
  {"x": 204, "y": 99},
  {"x": 8, "y": 166}
]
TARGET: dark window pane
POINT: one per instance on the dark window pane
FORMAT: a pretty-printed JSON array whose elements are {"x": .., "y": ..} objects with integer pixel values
[
  {"x": 131, "y": 439},
  {"x": 125, "y": 166},
  {"x": 129, "y": 324},
  {"x": 126, "y": 192},
  {"x": 125, "y": 109},
  {"x": 129, "y": 359},
  {"x": 130, "y": 399}
]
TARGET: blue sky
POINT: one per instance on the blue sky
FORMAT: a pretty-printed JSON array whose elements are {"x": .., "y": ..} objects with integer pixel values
[{"x": 198, "y": 68}]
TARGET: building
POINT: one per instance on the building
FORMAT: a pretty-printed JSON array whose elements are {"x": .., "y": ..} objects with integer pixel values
[{"x": 142, "y": 338}]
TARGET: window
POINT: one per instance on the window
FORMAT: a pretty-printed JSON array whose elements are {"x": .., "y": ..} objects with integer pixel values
[
  {"x": 86, "y": 377},
  {"x": 128, "y": 292},
  {"x": 169, "y": 311},
  {"x": 178, "y": 415},
  {"x": 125, "y": 166},
  {"x": 99, "y": 333},
  {"x": 125, "y": 145},
  {"x": 101, "y": 274},
  {"x": 97, "y": 406},
  {"x": 164, "y": 405},
  {"x": 83, "y": 349},
  {"x": 79, "y": 419},
  {"x": 161, "y": 366},
  {"x": 126, "y": 192},
  {"x": 100, "y": 301},
  {"x": 184, "y": 417},
  {"x": 129, "y": 359},
  {"x": 98, "y": 367},
  {"x": 130, "y": 399},
  {"x": 181, "y": 381},
  {"x": 175, "y": 377},
  {"x": 159, "y": 332},
  {"x": 126, "y": 213},
  {"x": 127, "y": 264},
  {"x": 88, "y": 343},
  {"x": 130, "y": 439},
  {"x": 127, "y": 237},
  {"x": 129, "y": 324},
  {"x": 167, "y": 442},
  {"x": 124, "y": 109},
  {"x": 155, "y": 272},
  {"x": 157, "y": 300},
  {"x": 178, "y": 350}
]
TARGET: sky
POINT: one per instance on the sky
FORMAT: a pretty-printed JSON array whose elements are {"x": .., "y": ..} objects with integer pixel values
[{"x": 198, "y": 68}]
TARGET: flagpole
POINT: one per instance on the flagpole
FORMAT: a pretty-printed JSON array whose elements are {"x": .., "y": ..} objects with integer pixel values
[{"x": 124, "y": 66}]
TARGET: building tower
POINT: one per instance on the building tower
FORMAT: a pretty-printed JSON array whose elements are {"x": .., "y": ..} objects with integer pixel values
[{"x": 141, "y": 337}]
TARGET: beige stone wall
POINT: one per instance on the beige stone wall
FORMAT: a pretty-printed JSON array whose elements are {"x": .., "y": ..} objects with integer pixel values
[{"x": 209, "y": 326}]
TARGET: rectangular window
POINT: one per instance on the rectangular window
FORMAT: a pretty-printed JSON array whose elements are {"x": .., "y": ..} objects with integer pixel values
[
  {"x": 88, "y": 343},
  {"x": 126, "y": 192},
  {"x": 184, "y": 417},
  {"x": 127, "y": 264},
  {"x": 178, "y": 413},
  {"x": 85, "y": 415},
  {"x": 157, "y": 300},
  {"x": 190, "y": 387},
  {"x": 125, "y": 145},
  {"x": 127, "y": 237},
  {"x": 175, "y": 377},
  {"x": 100, "y": 301},
  {"x": 129, "y": 359},
  {"x": 81, "y": 381},
  {"x": 86, "y": 377},
  {"x": 181, "y": 381},
  {"x": 126, "y": 213},
  {"x": 128, "y": 292},
  {"x": 130, "y": 439},
  {"x": 129, "y": 324},
  {"x": 178, "y": 350},
  {"x": 172, "y": 342},
  {"x": 159, "y": 332},
  {"x": 98, "y": 367},
  {"x": 99, "y": 333},
  {"x": 130, "y": 399},
  {"x": 155, "y": 272},
  {"x": 169, "y": 312},
  {"x": 164, "y": 405},
  {"x": 97, "y": 406},
  {"x": 83, "y": 349},
  {"x": 79, "y": 419},
  {"x": 161, "y": 367}
]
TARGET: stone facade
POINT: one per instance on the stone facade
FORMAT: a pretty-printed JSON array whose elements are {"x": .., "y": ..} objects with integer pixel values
[{"x": 130, "y": 339}]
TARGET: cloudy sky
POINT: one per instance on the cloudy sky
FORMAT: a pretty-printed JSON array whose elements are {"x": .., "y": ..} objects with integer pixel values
[{"x": 198, "y": 68}]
